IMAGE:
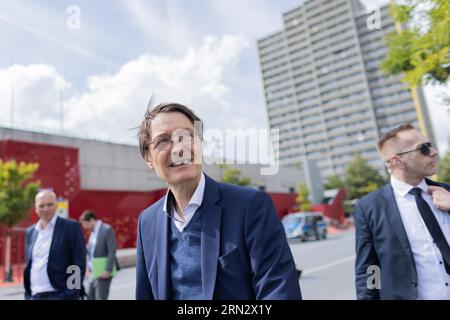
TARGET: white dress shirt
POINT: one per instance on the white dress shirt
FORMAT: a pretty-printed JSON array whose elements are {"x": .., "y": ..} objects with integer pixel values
[
  {"x": 39, "y": 280},
  {"x": 191, "y": 208},
  {"x": 433, "y": 281},
  {"x": 92, "y": 242}
]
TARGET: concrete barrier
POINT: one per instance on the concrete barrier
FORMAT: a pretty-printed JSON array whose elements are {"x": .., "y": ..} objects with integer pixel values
[{"x": 126, "y": 257}]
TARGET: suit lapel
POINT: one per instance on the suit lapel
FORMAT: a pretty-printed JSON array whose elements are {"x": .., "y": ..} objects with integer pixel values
[
  {"x": 56, "y": 237},
  {"x": 33, "y": 237},
  {"x": 393, "y": 215},
  {"x": 162, "y": 246},
  {"x": 210, "y": 237},
  {"x": 432, "y": 183},
  {"x": 99, "y": 238}
]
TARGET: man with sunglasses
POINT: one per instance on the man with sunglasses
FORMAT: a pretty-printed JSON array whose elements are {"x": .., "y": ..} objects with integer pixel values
[
  {"x": 402, "y": 236},
  {"x": 204, "y": 239}
]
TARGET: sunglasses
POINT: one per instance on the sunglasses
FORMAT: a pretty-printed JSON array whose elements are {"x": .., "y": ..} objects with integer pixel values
[{"x": 424, "y": 148}]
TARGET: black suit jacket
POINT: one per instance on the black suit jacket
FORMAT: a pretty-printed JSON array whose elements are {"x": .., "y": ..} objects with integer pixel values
[
  {"x": 66, "y": 249},
  {"x": 381, "y": 240}
]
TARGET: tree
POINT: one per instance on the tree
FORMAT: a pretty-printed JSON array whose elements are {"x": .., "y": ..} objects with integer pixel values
[
  {"x": 444, "y": 168},
  {"x": 420, "y": 51},
  {"x": 16, "y": 198},
  {"x": 334, "y": 182},
  {"x": 361, "y": 178},
  {"x": 233, "y": 176},
  {"x": 303, "y": 197}
]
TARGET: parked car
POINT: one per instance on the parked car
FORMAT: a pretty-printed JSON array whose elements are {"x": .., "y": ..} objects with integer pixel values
[{"x": 305, "y": 225}]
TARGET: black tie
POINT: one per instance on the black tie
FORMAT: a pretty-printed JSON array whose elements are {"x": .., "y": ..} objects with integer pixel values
[{"x": 432, "y": 226}]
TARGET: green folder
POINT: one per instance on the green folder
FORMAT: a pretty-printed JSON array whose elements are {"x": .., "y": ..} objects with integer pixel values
[{"x": 99, "y": 266}]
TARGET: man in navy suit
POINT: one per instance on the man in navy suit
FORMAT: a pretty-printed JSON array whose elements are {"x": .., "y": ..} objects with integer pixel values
[
  {"x": 55, "y": 254},
  {"x": 204, "y": 239},
  {"x": 403, "y": 228}
]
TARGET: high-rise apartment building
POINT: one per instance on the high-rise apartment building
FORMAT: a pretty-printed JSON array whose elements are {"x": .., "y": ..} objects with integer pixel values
[{"x": 324, "y": 89}]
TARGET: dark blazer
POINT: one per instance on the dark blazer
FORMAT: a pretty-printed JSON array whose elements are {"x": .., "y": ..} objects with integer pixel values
[
  {"x": 105, "y": 246},
  {"x": 381, "y": 240},
  {"x": 244, "y": 252},
  {"x": 67, "y": 248}
]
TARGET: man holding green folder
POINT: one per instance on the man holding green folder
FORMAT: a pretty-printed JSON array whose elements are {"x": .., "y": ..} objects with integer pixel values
[{"x": 101, "y": 255}]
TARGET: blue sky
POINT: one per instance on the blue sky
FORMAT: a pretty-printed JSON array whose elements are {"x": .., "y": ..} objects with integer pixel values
[{"x": 200, "y": 52}]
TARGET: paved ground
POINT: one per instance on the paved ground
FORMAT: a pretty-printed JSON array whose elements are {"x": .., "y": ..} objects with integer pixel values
[
  {"x": 327, "y": 271},
  {"x": 328, "y": 267}
]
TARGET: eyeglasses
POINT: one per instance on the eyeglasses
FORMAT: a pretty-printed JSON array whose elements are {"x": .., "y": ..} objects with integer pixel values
[
  {"x": 162, "y": 142},
  {"x": 424, "y": 148}
]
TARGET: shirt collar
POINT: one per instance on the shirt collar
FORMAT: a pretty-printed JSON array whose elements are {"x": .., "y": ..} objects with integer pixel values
[
  {"x": 197, "y": 197},
  {"x": 51, "y": 224},
  {"x": 402, "y": 188},
  {"x": 97, "y": 226}
]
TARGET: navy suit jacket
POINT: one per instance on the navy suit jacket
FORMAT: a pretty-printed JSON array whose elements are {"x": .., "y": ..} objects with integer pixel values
[
  {"x": 66, "y": 249},
  {"x": 244, "y": 252},
  {"x": 381, "y": 240}
]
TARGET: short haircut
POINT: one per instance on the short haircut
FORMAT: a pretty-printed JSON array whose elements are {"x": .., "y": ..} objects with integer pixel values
[
  {"x": 88, "y": 215},
  {"x": 144, "y": 129},
  {"x": 392, "y": 134},
  {"x": 48, "y": 191}
]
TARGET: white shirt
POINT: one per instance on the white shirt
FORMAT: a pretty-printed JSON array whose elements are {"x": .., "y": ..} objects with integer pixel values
[
  {"x": 433, "y": 281},
  {"x": 92, "y": 242},
  {"x": 191, "y": 208},
  {"x": 39, "y": 280}
]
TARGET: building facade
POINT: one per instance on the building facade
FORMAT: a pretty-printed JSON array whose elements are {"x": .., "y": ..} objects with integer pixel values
[{"x": 323, "y": 86}]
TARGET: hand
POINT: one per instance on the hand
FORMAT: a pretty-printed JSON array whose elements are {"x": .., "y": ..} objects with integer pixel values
[
  {"x": 105, "y": 275},
  {"x": 441, "y": 197}
]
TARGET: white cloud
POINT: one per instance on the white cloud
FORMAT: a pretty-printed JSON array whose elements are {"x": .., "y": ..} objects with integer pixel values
[
  {"x": 113, "y": 103},
  {"x": 164, "y": 23},
  {"x": 150, "y": 21},
  {"x": 37, "y": 92},
  {"x": 196, "y": 79}
]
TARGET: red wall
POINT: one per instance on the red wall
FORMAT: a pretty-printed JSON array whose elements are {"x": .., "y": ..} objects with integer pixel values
[
  {"x": 59, "y": 169},
  {"x": 58, "y": 166},
  {"x": 121, "y": 209}
]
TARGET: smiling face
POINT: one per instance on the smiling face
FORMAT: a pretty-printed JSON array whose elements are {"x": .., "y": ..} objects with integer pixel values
[{"x": 175, "y": 149}]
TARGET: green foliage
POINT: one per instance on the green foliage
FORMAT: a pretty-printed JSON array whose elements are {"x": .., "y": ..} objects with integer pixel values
[
  {"x": 400, "y": 12},
  {"x": 361, "y": 178},
  {"x": 420, "y": 52},
  {"x": 16, "y": 191},
  {"x": 233, "y": 176},
  {"x": 303, "y": 197},
  {"x": 334, "y": 182}
]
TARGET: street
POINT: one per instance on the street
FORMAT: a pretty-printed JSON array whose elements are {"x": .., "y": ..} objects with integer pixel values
[
  {"x": 328, "y": 267},
  {"x": 327, "y": 271}
]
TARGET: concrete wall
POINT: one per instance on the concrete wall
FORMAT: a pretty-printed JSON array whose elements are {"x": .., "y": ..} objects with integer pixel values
[
  {"x": 103, "y": 165},
  {"x": 110, "y": 166}
]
